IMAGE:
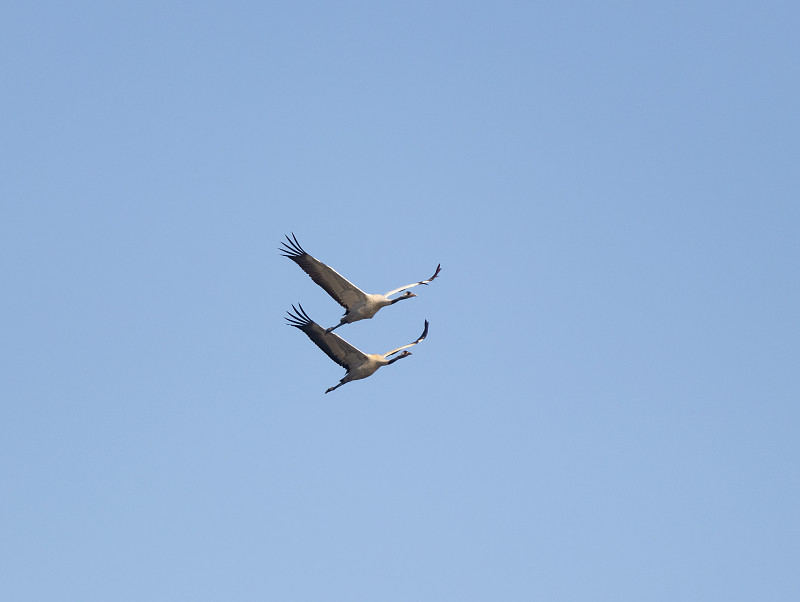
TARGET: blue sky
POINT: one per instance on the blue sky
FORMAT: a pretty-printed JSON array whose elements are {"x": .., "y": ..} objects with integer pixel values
[{"x": 606, "y": 406}]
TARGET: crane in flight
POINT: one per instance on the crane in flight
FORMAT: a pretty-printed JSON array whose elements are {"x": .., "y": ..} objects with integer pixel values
[
  {"x": 357, "y": 363},
  {"x": 358, "y": 304}
]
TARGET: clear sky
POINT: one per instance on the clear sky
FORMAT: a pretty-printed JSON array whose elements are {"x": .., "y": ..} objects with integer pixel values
[{"x": 606, "y": 406}]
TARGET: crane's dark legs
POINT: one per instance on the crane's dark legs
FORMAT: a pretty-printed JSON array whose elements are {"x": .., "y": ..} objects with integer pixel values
[
  {"x": 336, "y": 387},
  {"x": 332, "y": 328}
]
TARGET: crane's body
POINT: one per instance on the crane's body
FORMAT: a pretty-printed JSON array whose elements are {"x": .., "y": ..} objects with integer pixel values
[{"x": 369, "y": 306}]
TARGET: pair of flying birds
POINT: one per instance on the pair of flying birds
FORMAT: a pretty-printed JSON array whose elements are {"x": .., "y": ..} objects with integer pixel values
[{"x": 358, "y": 306}]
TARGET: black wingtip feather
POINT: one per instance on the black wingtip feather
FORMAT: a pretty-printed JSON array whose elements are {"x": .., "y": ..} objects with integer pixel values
[
  {"x": 305, "y": 315},
  {"x": 298, "y": 319},
  {"x": 291, "y": 248}
]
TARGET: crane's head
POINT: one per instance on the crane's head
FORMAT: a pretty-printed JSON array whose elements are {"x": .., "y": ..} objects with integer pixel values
[
  {"x": 399, "y": 357},
  {"x": 406, "y": 295}
]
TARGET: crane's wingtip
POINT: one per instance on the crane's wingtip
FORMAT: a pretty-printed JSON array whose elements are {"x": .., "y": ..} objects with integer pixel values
[
  {"x": 292, "y": 247},
  {"x": 424, "y": 332}
]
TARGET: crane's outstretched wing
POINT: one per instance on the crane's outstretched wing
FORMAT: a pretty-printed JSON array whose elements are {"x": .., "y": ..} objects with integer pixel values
[
  {"x": 425, "y": 282},
  {"x": 334, "y": 346},
  {"x": 419, "y": 340},
  {"x": 337, "y": 286}
]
